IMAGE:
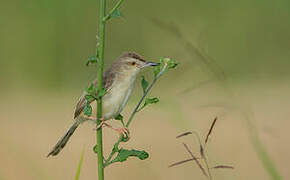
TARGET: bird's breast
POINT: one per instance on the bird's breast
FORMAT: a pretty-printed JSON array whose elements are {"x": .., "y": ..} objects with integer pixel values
[{"x": 116, "y": 98}]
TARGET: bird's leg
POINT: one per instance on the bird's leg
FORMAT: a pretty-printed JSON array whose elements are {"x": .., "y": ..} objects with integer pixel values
[
  {"x": 95, "y": 120},
  {"x": 102, "y": 123},
  {"x": 91, "y": 118},
  {"x": 122, "y": 131}
]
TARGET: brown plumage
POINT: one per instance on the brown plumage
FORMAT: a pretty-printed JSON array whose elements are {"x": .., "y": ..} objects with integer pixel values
[
  {"x": 108, "y": 79},
  {"x": 132, "y": 55},
  {"x": 118, "y": 81}
]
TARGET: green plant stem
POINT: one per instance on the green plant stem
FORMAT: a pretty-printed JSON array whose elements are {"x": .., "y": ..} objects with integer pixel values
[
  {"x": 140, "y": 102},
  {"x": 100, "y": 51},
  {"x": 108, "y": 16},
  {"x": 136, "y": 109}
]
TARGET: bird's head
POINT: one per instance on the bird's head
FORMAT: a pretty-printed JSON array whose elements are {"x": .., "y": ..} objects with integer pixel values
[{"x": 132, "y": 63}]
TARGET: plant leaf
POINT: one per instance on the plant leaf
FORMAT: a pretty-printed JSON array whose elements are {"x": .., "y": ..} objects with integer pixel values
[
  {"x": 115, "y": 148},
  {"x": 172, "y": 63},
  {"x": 90, "y": 98},
  {"x": 120, "y": 117},
  {"x": 92, "y": 60},
  {"x": 88, "y": 110},
  {"x": 157, "y": 70},
  {"x": 91, "y": 90},
  {"x": 151, "y": 101},
  {"x": 116, "y": 13},
  {"x": 95, "y": 148},
  {"x": 124, "y": 154},
  {"x": 144, "y": 84},
  {"x": 169, "y": 62}
]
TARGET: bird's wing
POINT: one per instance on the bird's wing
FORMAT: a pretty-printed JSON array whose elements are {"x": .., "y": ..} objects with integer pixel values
[
  {"x": 80, "y": 105},
  {"x": 108, "y": 79}
]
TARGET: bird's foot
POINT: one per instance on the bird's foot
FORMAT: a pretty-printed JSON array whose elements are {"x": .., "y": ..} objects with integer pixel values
[{"x": 124, "y": 131}]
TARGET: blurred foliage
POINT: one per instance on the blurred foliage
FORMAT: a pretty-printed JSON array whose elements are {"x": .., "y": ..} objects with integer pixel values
[{"x": 45, "y": 44}]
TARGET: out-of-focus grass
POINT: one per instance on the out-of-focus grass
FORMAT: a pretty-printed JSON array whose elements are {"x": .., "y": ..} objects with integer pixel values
[
  {"x": 269, "y": 165},
  {"x": 77, "y": 176},
  {"x": 209, "y": 64},
  {"x": 262, "y": 153}
]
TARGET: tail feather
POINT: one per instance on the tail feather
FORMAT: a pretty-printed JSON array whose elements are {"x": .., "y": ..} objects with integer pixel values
[{"x": 62, "y": 142}]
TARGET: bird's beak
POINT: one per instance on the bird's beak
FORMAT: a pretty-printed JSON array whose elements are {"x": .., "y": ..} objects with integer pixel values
[{"x": 148, "y": 63}]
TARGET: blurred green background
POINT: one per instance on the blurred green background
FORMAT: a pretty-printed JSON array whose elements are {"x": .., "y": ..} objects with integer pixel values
[{"x": 234, "y": 59}]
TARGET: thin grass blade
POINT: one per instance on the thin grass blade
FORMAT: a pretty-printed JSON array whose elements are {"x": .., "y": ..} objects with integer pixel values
[
  {"x": 210, "y": 130},
  {"x": 80, "y": 165},
  {"x": 181, "y": 162},
  {"x": 195, "y": 159},
  {"x": 223, "y": 167},
  {"x": 183, "y": 134}
]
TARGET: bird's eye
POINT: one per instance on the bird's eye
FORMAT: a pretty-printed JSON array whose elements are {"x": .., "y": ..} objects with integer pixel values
[{"x": 133, "y": 63}]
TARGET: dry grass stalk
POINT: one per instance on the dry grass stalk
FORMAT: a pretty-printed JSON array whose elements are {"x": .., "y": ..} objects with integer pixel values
[
  {"x": 195, "y": 159},
  {"x": 210, "y": 130},
  {"x": 201, "y": 151},
  {"x": 180, "y": 162},
  {"x": 223, "y": 167},
  {"x": 183, "y": 134}
]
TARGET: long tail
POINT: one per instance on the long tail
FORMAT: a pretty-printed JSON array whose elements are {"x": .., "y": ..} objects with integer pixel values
[{"x": 62, "y": 142}]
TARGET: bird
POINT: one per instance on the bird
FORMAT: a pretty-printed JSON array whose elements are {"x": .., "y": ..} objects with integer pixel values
[{"x": 118, "y": 80}]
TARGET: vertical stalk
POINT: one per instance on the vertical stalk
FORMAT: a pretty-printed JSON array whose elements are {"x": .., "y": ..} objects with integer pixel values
[
  {"x": 100, "y": 51},
  {"x": 162, "y": 71}
]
